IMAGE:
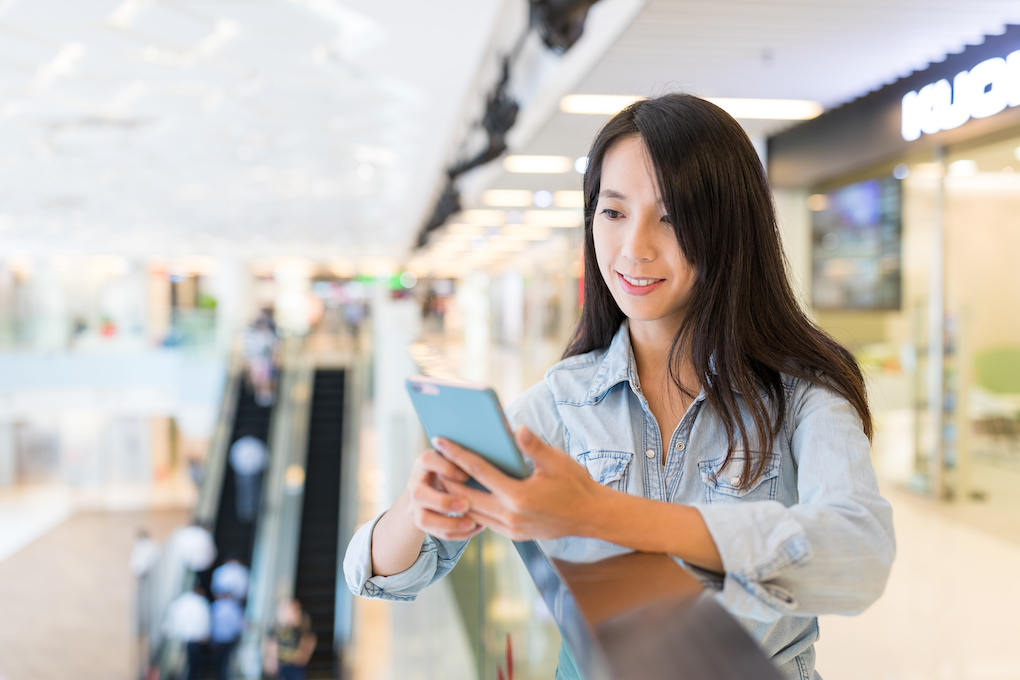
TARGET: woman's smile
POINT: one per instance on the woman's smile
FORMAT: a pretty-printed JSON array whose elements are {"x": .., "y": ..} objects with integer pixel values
[{"x": 633, "y": 285}]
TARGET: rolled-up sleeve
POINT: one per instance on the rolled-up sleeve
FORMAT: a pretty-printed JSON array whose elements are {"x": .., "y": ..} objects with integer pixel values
[
  {"x": 535, "y": 408},
  {"x": 831, "y": 552},
  {"x": 436, "y": 558}
]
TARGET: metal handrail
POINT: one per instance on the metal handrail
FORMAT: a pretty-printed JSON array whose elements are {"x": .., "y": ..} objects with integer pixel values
[
  {"x": 169, "y": 577},
  {"x": 640, "y": 615},
  {"x": 274, "y": 553}
]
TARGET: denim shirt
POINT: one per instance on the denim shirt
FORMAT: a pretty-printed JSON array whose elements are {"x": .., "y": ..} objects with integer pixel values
[{"x": 811, "y": 536}]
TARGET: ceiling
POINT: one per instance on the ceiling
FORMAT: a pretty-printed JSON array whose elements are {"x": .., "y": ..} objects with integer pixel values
[
  {"x": 255, "y": 127},
  {"x": 320, "y": 128}
]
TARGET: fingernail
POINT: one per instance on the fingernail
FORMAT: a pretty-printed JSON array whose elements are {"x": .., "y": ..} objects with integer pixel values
[
  {"x": 467, "y": 524},
  {"x": 526, "y": 435},
  {"x": 437, "y": 442},
  {"x": 459, "y": 505}
]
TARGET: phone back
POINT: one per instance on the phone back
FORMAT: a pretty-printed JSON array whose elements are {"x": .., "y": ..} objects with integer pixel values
[{"x": 470, "y": 416}]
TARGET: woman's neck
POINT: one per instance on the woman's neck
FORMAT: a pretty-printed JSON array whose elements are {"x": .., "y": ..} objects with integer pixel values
[{"x": 651, "y": 344}]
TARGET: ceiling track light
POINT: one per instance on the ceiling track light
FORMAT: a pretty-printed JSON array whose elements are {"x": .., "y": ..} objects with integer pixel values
[{"x": 560, "y": 24}]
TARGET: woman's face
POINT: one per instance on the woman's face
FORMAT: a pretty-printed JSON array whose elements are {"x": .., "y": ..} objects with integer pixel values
[{"x": 635, "y": 245}]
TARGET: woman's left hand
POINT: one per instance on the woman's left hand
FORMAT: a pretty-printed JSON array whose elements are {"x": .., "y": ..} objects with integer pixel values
[{"x": 554, "y": 501}]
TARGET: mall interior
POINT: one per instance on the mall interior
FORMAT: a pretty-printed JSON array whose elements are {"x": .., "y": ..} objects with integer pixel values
[{"x": 227, "y": 222}]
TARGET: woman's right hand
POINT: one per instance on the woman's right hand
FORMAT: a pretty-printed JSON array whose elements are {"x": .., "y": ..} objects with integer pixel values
[{"x": 433, "y": 509}]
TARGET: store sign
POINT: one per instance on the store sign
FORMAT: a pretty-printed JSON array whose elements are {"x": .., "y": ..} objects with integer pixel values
[{"x": 983, "y": 91}]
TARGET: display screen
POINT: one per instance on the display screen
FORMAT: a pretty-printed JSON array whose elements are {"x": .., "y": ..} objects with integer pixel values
[{"x": 856, "y": 246}]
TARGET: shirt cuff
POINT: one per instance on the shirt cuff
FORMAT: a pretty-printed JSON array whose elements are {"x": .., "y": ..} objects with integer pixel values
[
  {"x": 757, "y": 543},
  {"x": 401, "y": 587}
]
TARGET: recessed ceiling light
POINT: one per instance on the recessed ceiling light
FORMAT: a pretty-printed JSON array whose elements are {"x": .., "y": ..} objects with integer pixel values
[
  {"x": 538, "y": 164},
  {"x": 543, "y": 199},
  {"x": 581, "y": 165}
]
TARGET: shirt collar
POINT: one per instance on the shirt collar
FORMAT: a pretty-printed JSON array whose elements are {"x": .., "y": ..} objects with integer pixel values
[{"x": 617, "y": 366}]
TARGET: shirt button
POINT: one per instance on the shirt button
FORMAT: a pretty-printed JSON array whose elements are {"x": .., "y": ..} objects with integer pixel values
[
  {"x": 650, "y": 454},
  {"x": 735, "y": 481},
  {"x": 679, "y": 446}
]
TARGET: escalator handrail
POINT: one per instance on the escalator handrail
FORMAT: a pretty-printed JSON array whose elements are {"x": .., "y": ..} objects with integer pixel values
[
  {"x": 640, "y": 615},
  {"x": 274, "y": 552},
  {"x": 169, "y": 577}
]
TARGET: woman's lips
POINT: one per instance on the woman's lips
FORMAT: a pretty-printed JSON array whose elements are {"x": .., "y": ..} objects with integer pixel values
[{"x": 632, "y": 289}]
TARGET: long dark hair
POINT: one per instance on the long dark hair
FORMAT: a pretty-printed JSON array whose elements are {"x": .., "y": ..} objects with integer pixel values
[{"x": 743, "y": 326}]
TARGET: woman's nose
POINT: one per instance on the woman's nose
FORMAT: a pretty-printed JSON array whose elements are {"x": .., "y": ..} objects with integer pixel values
[{"x": 639, "y": 243}]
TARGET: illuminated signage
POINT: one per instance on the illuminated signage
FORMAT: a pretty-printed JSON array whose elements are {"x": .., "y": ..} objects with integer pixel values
[{"x": 983, "y": 91}]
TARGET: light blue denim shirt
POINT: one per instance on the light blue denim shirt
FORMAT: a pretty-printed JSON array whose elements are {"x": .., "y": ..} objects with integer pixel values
[{"x": 812, "y": 535}]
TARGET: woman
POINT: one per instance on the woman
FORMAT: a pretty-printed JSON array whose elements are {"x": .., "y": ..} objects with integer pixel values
[{"x": 697, "y": 412}]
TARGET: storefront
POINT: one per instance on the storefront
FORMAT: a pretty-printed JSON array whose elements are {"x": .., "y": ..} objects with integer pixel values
[{"x": 912, "y": 198}]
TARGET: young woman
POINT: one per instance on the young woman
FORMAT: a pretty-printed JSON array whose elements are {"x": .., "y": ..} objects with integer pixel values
[{"x": 697, "y": 412}]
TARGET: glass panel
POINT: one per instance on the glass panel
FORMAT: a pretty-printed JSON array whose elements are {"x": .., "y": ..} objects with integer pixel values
[{"x": 982, "y": 218}]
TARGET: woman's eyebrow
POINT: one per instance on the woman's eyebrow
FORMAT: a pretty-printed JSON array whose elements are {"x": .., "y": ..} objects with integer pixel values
[{"x": 612, "y": 193}]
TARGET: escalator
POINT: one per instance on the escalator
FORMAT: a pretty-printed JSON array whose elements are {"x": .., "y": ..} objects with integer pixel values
[
  {"x": 235, "y": 538},
  {"x": 316, "y": 575}
]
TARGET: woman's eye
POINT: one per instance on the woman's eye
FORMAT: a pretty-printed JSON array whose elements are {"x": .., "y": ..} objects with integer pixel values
[
  {"x": 611, "y": 214},
  {"x": 667, "y": 219}
]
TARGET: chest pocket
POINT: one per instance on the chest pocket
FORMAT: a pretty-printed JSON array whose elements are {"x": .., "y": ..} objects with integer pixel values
[
  {"x": 722, "y": 479},
  {"x": 608, "y": 468}
]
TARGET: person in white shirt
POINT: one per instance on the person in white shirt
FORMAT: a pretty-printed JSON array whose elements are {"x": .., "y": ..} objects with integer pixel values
[
  {"x": 188, "y": 619},
  {"x": 195, "y": 546},
  {"x": 248, "y": 458},
  {"x": 230, "y": 578}
]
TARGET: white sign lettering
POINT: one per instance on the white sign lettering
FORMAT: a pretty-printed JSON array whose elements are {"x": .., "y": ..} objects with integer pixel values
[{"x": 983, "y": 91}]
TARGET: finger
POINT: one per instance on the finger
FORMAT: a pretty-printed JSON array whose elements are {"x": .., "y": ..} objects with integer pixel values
[
  {"x": 484, "y": 472},
  {"x": 433, "y": 461},
  {"x": 492, "y": 523},
  {"x": 447, "y": 528},
  {"x": 480, "y": 501},
  {"x": 425, "y": 496}
]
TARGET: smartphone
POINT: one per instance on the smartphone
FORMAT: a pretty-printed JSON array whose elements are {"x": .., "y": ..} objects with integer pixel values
[{"x": 470, "y": 415}]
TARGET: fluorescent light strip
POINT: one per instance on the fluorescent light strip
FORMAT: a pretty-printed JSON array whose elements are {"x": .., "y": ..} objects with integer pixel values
[
  {"x": 747, "y": 109},
  {"x": 554, "y": 218},
  {"x": 538, "y": 164},
  {"x": 507, "y": 197},
  {"x": 769, "y": 109},
  {"x": 606, "y": 104}
]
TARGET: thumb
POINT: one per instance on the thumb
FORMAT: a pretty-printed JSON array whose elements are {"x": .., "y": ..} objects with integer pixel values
[{"x": 531, "y": 446}]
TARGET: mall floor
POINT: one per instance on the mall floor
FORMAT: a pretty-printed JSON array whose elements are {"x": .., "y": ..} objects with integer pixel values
[{"x": 948, "y": 613}]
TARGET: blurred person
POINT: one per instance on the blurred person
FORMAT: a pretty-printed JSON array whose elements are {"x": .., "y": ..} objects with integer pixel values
[
  {"x": 697, "y": 411},
  {"x": 259, "y": 350},
  {"x": 143, "y": 559},
  {"x": 144, "y": 554},
  {"x": 248, "y": 458},
  {"x": 196, "y": 471},
  {"x": 188, "y": 620},
  {"x": 230, "y": 578},
  {"x": 226, "y": 626},
  {"x": 195, "y": 546},
  {"x": 291, "y": 643}
]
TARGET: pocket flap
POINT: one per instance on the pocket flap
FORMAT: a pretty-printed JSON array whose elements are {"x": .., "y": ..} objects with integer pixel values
[
  {"x": 724, "y": 476},
  {"x": 606, "y": 466}
]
